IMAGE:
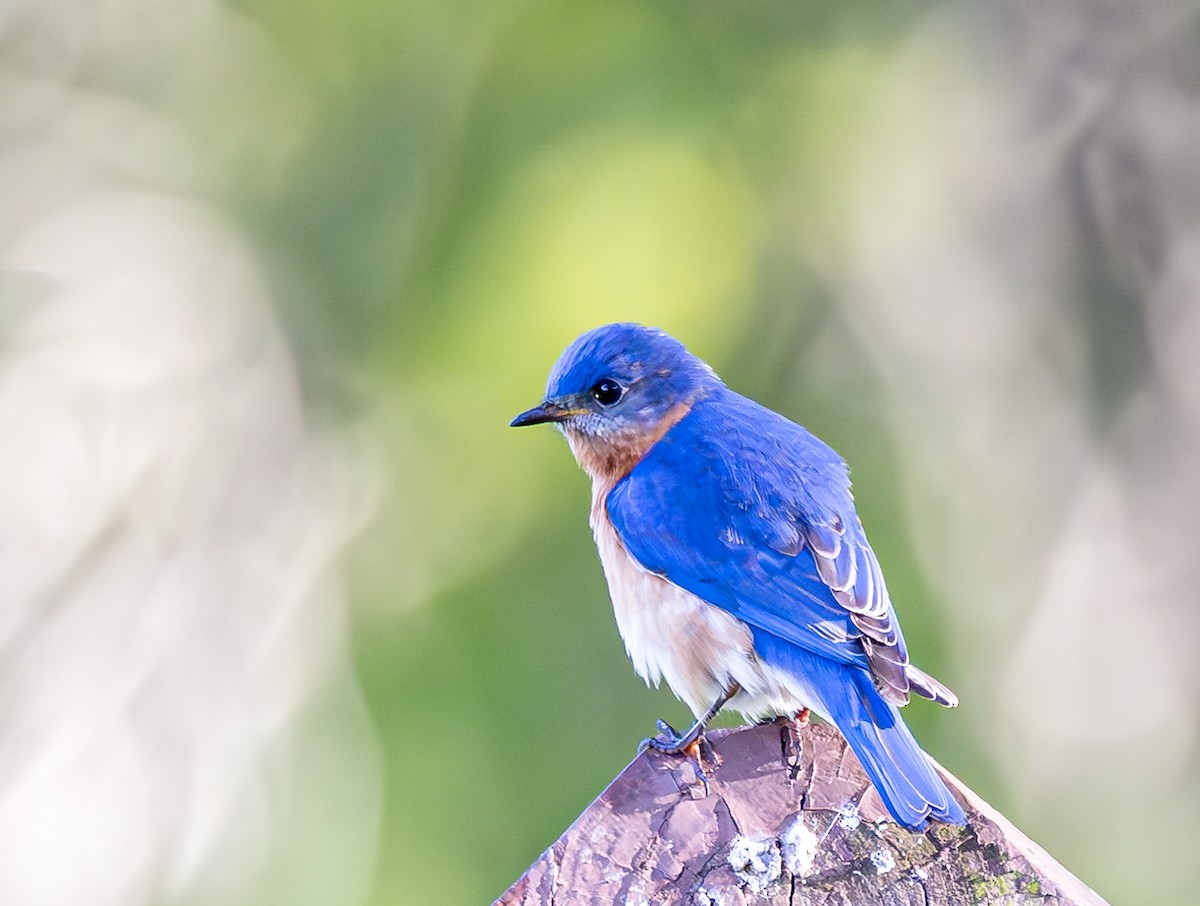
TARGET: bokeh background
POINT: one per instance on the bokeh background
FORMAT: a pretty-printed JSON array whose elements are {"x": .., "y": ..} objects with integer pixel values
[{"x": 288, "y": 615}]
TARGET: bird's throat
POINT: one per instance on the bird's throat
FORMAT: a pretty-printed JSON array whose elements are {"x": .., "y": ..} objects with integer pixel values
[{"x": 609, "y": 458}]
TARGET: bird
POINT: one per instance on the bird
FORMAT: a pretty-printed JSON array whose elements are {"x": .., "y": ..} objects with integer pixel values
[{"x": 738, "y": 568}]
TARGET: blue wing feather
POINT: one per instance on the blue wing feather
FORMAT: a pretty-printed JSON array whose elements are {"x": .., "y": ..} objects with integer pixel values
[{"x": 753, "y": 513}]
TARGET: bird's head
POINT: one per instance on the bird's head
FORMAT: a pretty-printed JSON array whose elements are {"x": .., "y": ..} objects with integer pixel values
[{"x": 616, "y": 390}]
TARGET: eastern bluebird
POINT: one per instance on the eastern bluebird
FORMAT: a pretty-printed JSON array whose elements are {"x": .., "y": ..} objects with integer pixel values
[{"x": 738, "y": 568}]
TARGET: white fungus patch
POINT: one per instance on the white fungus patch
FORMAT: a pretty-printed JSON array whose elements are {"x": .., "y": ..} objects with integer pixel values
[
  {"x": 883, "y": 860},
  {"x": 756, "y": 863},
  {"x": 798, "y": 846},
  {"x": 848, "y": 817}
]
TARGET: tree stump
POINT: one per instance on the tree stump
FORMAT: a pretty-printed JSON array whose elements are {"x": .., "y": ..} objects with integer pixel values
[{"x": 781, "y": 825}]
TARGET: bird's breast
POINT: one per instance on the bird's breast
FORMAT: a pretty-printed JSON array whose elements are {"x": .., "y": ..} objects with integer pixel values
[{"x": 671, "y": 634}]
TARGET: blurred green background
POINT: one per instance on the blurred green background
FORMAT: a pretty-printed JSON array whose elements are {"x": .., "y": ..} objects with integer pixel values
[
  {"x": 942, "y": 236},
  {"x": 483, "y": 183}
]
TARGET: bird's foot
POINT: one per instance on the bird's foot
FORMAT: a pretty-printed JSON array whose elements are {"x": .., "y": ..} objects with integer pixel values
[
  {"x": 789, "y": 748},
  {"x": 703, "y": 755},
  {"x": 693, "y": 744},
  {"x": 670, "y": 741}
]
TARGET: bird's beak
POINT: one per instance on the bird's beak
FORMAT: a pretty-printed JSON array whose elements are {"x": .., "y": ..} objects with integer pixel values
[{"x": 548, "y": 411}]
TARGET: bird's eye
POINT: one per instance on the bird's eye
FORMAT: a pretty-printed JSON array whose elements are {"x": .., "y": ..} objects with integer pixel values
[{"x": 607, "y": 392}]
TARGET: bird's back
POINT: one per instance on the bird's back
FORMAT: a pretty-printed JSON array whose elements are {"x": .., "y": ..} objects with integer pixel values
[{"x": 736, "y": 504}]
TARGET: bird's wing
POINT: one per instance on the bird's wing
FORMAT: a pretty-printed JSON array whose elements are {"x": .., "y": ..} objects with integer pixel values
[{"x": 752, "y": 513}]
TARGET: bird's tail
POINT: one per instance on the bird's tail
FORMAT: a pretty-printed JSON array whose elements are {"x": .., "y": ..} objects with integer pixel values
[
  {"x": 926, "y": 686},
  {"x": 901, "y": 772}
]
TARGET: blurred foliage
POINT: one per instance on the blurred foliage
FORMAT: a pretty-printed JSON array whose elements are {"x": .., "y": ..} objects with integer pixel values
[
  {"x": 477, "y": 184},
  {"x": 957, "y": 241},
  {"x": 446, "y": 195}
]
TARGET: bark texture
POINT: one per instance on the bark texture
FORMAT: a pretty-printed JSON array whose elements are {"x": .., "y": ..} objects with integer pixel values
[{"x": 781, "y": 826}]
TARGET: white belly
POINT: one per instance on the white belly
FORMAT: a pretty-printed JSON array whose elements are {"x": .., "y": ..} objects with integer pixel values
[{"x": 671, "y": 634}]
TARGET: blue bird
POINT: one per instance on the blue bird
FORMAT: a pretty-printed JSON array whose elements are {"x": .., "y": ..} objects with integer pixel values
[{"x": 738, "y": 568}]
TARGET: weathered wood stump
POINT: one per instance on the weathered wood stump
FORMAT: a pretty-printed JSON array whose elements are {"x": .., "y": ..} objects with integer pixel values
[{"x": 778, "y": 826}]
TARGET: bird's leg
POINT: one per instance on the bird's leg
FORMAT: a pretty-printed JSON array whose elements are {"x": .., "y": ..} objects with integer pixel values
[{"x": 673, "y": 743}]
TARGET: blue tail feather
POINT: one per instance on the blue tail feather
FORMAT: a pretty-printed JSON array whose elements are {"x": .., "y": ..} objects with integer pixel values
[{"x": 900, "y": 771}]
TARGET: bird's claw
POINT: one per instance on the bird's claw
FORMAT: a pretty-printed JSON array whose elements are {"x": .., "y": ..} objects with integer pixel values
[
  {"x": 789, "y": 742},
  {"x": 692, "y": 744},
  {"x": 670, "y": 742}
]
